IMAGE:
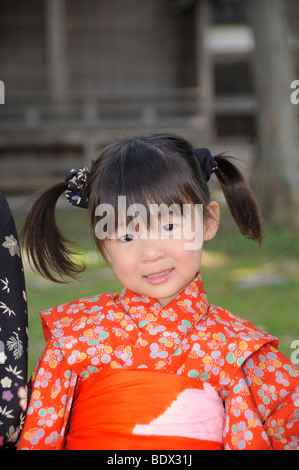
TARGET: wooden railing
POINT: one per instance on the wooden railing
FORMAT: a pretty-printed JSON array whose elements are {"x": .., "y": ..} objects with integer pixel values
[
  {"x": 36, "y": 128},
  {"x": 111, "y": 110}
]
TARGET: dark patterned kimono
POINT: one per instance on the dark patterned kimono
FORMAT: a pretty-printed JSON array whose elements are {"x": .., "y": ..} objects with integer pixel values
[{"x": 13, "y": 332}]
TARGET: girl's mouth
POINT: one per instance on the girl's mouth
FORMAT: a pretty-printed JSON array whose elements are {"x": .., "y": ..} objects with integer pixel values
[{"x": 159, "y": 277}]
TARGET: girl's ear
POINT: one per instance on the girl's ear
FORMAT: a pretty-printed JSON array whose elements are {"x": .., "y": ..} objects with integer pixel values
[{"x": 211, "y": 222}]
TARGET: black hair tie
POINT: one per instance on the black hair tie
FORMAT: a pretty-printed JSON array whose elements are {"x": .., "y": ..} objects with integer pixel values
[
  {"x": 207, "y": 162},
  {"x": 77, "y": 193}
]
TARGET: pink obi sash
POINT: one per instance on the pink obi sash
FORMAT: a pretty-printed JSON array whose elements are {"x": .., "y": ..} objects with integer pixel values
[{"x": 145, "y": 409}]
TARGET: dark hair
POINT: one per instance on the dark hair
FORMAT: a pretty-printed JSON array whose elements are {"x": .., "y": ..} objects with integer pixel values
[{"x": 159, "y": 168}]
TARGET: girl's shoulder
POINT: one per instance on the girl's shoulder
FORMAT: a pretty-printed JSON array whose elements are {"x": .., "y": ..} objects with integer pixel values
[
  {"x": 89, "y": 309},
  {"x": 235, "y": 339},
  {"x": 234, "y": 327}
]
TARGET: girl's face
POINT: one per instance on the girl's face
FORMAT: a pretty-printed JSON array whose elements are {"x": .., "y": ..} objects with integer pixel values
[{"x": 159, "y": 265}]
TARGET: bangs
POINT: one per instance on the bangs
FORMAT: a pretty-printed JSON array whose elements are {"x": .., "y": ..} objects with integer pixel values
[{"x": 145, "y": 175}]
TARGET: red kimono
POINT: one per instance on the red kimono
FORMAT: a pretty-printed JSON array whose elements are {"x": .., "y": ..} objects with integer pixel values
[{"x": 123, "y": 372}]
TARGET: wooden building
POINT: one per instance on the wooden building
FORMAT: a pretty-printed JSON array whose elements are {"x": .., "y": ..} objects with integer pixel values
[{"x": 78, "y": 73}]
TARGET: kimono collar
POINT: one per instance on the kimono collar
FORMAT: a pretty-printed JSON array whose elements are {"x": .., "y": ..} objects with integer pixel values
[{"x": 192, "y": 301}]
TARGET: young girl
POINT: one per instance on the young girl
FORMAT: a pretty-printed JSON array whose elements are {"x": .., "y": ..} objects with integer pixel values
[{"x": 155, "y": 366}]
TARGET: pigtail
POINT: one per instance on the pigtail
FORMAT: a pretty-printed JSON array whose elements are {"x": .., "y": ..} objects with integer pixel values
[
  {"x": 239, "y": 198},
  {"x": 46, "y": 246}
]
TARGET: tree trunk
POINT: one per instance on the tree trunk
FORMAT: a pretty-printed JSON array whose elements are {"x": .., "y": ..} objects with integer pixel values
[{"x": 278, "y": 118}]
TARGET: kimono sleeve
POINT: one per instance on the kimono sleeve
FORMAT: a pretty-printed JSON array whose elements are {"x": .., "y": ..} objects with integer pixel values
[
  {"x": 13, "y": 332},
  {"x": 262, "y": 410},
  {"x": 52, "y": 387}
]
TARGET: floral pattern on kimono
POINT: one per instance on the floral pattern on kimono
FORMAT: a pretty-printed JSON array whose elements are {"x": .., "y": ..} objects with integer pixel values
[
  {"x": 259, "y": 387},
  {"x": 13, "y": 332}
]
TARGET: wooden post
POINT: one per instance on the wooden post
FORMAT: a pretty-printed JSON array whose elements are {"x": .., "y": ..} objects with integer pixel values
[
  {"x": 278, "y": 119},
  {"x": 204, "y": 69},
  {"x": 56, "y": 47}
]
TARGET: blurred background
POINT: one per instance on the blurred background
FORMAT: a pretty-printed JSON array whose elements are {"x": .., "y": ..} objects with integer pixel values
[{"x": 79, "y": 73}]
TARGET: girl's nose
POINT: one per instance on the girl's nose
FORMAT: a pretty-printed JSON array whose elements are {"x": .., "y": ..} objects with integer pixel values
[{"x": 151, "y": 250}]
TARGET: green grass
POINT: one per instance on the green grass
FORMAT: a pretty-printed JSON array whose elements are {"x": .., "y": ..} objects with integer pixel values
[{"x": 271, "y": 302}]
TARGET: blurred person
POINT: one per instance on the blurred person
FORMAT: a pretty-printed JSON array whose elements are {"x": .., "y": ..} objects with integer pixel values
[{"x": 13, "y": 332}]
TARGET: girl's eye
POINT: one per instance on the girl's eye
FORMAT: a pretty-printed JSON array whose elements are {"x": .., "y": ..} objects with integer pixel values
[
  {"x": 168, "y": 228},
  {"x": 126, "y": 238}
]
